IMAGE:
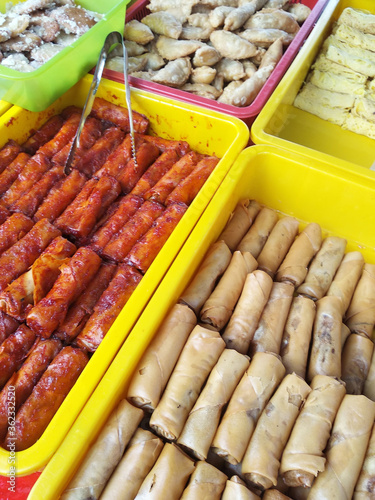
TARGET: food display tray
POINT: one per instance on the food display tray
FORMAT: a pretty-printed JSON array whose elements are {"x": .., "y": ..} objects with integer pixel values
[
  {"x": 283, "y": 125},
  {"x": 248, "y": 113},
  {"x": 291, "y": 184},
  {"x": 206, "y": 132}
]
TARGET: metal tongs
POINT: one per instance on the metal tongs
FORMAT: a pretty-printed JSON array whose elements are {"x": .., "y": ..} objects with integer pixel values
[{"x": 112, "y": 40}]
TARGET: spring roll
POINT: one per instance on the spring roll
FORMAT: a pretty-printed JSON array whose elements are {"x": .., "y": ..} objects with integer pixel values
[
  {"x": 255, "y": 238},
  {"x": 13, "y": 350},
  {"x": 73, "y": 279},
  {"x": 274, "y": 494},
  {"x": 4, "y": 214},
  {"x": 105, "y": 453},
  {"x": 121, "y": 243},
  {"x": 12, "y": 171},
  {"x": 293, "y": 269},
  {"x": 345, "y": 332},
  {"x": 245, "y": 318},
  {"x": 355, "y": 362},
  {"x": 303, "y": 456},
  {"x": 20, "y": 256},
  {"x": 22, "y": 382},
  {"x": 105, "y": 110},
  {"x": 236, "y": 489},
  {"x": 346, "y": 278},
  {"x": 8, "y": 325},
  {"x": 246, "y": 404},
  {"x": 28, "y": 289},
  {"x": 360, "y": 316},
  {"x": 213, "y": 265},
  {"x": 205, "y": 482},
  {"x": 346, "y": 449},
  {"x": 200, "y": 427},
  {"x": 297, "y": 333},
  {"x": 156, "y": 365},
  {"x": 13, "y": 229},
  {"x": 147, "y": 248},
  {"x": 323, "y": 268},
  {"x": 277, "y": 245},
  {"x": 109, "y": 306},
  {"x": 239, "y": 223},
  {"x": 182, "y": 147},
  {"x": 269, "y": 333},
  {"x": 44, "y": 134},
  {"x": 60, "y": 196},
  {"x": 168, "y": 476},
  {"x": 198, "y": 357},
  {"x": 261, "y": 461},
  {"x": 365, "y": 486},
  {"x": 219, "y": 306},
  {"x": 62, "y": 137},
  {"x": 325, "y": 356},
  {"x": 8, "y": 153},
  {"x": 140, "y": 456}
]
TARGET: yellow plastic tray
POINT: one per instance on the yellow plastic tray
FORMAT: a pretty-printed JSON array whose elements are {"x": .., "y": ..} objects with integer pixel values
[
  {"x": 291, "y": 184},
  {"x": 4, "y": 106},
  {"x": 281, "y": 124},
  {"x": 206, "y": 132}
]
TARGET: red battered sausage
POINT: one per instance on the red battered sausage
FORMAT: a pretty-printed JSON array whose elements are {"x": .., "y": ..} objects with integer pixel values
[
  {"x": 74, "y": 277},
  {"x": 13, "y": 229},
  {"x": 4, "y": 214},
  {"x": 118, "y": 115},
  {"x": 8, "y": 325},
  {"x": 109, "y": 307},
  {"x": 44, "y": 134},
  {"x": 8, "y": 153},
  {"x": 64, "y": 135},
  {"x": 36, "y": 413},
  {"x": 11, "y": 171},
  {"x": 146, "y": 154}
]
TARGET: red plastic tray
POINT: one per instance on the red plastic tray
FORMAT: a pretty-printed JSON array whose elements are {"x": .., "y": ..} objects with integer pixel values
[{"x": 248, "y": 113}]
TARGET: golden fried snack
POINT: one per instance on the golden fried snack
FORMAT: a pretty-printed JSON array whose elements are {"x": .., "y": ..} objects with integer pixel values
[
  {"x": 239, "y": 223},
  {"x": 365, "y": 486},
  {"x": 236, "y": 489},
  {"x": 360, "y": 316},
  {"x": 355, "y": 362},
  {"x": 254, "y": 240},
  {"x": 206, "y": 481}
]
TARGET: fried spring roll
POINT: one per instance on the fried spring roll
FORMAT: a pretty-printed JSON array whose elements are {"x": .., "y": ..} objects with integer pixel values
[
  {"x": 236, "y": 489},
  {"x": 4, "y": 214},
  {"x": 13, "y": 229},
  {"x": 105, "y": 453},
  {"x": 80, "y": 311},
  {"x": 188, "y": 188},
  {"x": 273, "y": 494},
  {"x": 182, "y": 147},
  {"x": 213, "y": 265},
  {"x": 245, "y": 318},
  {"x": 255, "y": 238},
  {"x": 146, "y": 154},
  {"x": 44, "y": 134},
  {"x": 246, "y": 404},
  {"x": 120, "y": 245},
  {"x": 303, "y": 456},
  {"x": 346, "y": 278},
  {"x": 20, "y": 256},
  {"x": 277, "y": 245},
  {"x": 181, "y": 169},
  {"x": 60, "y": 196},
  {"x": 355, "y": 362},
  {"x": 34, "y": 169},
  {"x": 219, "y": 306},
  {"x": 346, "y": 449},
  {"x": 345, "y": 332},
  {"x": 323, "y": 268},
  {"x": 269, "y": 333},
  {"x": 8, "y": 153},
  {"x": 199, "y": 355},
  {"x": 73, "y": 279},
  {"x": 63, "y": 136},
  {"x": 13, "y": 351},
  {"x": 262, "y": 457},
  {"x": 297, "y": 333},
  {"x": 109, "y": 306},
  {"x": 155, "y": 172},
  {"x": 239, "y": 222},
  {"x": 8, "y": 325},
  {"x": 360, "y": 316},
  {"x": 97, "y": 155},
  {"x": 80, "y": 217},
  {"x": 365, "y": 486},
  {"x": 30, "y": 201},
  {"x": 118, "y": 115},
  {"x": 205, "y": 482},
  {"x": 293, "y": 269},
  {"x": 325, "y": 356},
  {"x": 21, "y": 384},
  {"x": 126, "y": 208},
  {"x": 168, "y": 476},
  {"x": 147, "y": 248},
  {"x": 28, "y": 289},
  {"x": 200, "y": 427},
  {"x": 140, "y": 456},
  {"x": 157, "y": 363},
  {"x": 12, "y": 171}
]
